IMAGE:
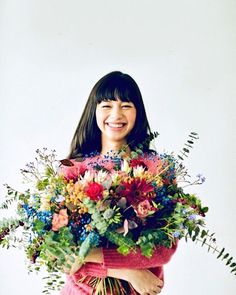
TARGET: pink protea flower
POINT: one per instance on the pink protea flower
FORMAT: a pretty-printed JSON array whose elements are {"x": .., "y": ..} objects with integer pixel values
[
  {"x": 59, "y": 220},
  {"x": 73, "y": 170},
  {"x": 153, "y": 163}
]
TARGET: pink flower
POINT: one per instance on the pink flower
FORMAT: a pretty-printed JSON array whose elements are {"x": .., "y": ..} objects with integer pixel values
[
  {"x": 59, "y": 220},
  {"x": 95, "y": 191},
  {"x": 152, "y": 163},
  {"x": 71, "y": 169},
  {"x": 144, "y": 208}
]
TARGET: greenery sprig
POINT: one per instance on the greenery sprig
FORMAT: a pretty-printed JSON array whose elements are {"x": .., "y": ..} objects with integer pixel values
[
  {"x": 208, "y": 239},
  {"x": 193, "y": 136}
]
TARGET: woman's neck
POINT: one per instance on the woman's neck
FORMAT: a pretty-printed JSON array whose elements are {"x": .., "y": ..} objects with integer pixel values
[{"x": 114, "y": 148}]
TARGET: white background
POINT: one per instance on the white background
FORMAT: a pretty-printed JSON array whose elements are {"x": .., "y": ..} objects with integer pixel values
[{"x": 181, "y": 53}]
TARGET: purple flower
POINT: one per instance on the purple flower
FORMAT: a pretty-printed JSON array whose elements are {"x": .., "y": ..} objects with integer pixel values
[
  {"x": 192, "y": 217},
  {"x": 176, "y": 234},
  {"x": 201, "y": 178}
]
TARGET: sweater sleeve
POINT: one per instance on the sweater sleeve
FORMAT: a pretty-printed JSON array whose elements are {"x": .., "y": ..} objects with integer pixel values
[
  {"x": 161, "y": 256},
  {"x": 113, "y": 259},
  {"x": 91, "y": 269}
]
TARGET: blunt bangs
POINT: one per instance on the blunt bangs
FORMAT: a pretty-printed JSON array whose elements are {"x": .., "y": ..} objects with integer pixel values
[{"x": 117, "y": 86}]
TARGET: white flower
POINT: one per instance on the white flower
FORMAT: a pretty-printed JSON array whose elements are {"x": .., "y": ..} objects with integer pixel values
[
  {"x": 107, "y": 183},
  {"x": 138, "y": 171},
  {"x": 104, "y": 179},
  {"x": 60, "y": 198},
  {"x": 125, "y": 166},
  {"x": 101, "y": 176},
  {"x": 88, "y": 177}
]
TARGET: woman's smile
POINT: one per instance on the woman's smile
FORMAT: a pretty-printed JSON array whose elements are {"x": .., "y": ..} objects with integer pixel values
[{"x": 115, "y": 126}]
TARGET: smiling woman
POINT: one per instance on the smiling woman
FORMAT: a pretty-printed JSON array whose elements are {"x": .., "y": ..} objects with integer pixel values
[
  {"x": 115, "y": 99},
  {"x": 114, "y": 117}
]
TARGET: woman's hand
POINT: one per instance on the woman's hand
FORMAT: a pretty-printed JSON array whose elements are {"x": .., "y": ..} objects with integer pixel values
[
  {"x": 72, "y": 267},
  {"x": 143, "y": 281},
  {"x": 94, "y": 255}
]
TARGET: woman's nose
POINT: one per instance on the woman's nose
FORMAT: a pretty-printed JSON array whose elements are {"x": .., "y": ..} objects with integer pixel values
[{"x": 116, "y": 112}]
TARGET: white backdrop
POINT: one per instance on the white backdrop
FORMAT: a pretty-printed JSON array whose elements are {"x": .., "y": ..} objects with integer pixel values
[{"x": 182, "y": 55}]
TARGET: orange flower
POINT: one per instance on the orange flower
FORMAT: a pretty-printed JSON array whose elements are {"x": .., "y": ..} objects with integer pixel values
[{"x": 59, "y": 220}]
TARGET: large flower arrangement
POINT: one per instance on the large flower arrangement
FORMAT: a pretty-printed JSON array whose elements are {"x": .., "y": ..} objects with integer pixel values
[{"x": 130, "y": 202}]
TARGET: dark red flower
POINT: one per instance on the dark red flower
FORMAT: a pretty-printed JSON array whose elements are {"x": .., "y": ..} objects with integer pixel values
[
  {"x": 136, "y": 190},
  {"x": 136, "y": 162},
  {"x": 94, "y": 191}
]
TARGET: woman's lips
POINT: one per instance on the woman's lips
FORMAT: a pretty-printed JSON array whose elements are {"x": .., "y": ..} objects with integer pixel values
[{"x": 116, "y": 126}]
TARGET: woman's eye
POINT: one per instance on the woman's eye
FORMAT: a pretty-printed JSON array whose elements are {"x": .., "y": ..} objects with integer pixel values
[
  {"x": 126, "y": 106},
  {"x": 106, "y": 106}
]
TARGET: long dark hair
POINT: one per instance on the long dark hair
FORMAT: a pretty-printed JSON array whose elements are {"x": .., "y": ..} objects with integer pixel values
[{"x": 113, "y": 86}]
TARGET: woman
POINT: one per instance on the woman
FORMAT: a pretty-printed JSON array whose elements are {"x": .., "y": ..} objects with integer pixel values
[{"x": 115, "y": 116}]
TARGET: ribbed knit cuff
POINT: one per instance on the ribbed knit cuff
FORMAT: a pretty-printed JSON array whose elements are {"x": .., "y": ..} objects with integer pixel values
[
  {"x": 112, "y": 259},
  {"x": 92, "y": 269}
]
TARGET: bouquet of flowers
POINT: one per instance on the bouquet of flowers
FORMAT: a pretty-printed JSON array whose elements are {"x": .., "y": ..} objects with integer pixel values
[{"x": 130, "y": 202}]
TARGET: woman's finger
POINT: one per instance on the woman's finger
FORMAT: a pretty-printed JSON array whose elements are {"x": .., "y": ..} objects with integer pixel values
[
  {"x": 159, "y": 282},
  {"x": 66, "y": 270},
  {"x": 75, "y": 266}
]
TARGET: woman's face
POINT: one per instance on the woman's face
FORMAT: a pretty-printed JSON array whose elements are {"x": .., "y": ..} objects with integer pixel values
[{"x": 115, "y": 119}]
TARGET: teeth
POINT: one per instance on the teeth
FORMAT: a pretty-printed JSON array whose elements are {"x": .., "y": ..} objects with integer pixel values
[{"x": 118, "y": 125}]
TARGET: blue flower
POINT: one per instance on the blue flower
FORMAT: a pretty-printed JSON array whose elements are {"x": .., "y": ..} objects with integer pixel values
[
  {"x": 94, "y": 238},
  {"x": 29, "y": 211},
  {"x": 44, "y": 216}
]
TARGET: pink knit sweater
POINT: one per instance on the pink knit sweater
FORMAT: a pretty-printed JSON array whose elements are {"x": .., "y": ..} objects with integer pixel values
[{"x": 112, "y": 259}]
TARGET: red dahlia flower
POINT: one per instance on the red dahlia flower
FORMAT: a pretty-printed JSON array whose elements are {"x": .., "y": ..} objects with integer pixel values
[{"x": 136, "y": 190}]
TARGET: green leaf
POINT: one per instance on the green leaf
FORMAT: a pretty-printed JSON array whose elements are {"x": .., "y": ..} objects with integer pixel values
[
  {"x": 233, "y": 264},
  {"x": 186, "y": 150},
  {"x": 221, "y": 252},
  {"x": 229, "y": 260},
  {"x": 123, "y": 249},
  {"x": 203, "y": 233},
  {"x": 205, "y": 209},
  {"x": 204, "y": 241},
  {"x": 225, "y": 256}
]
